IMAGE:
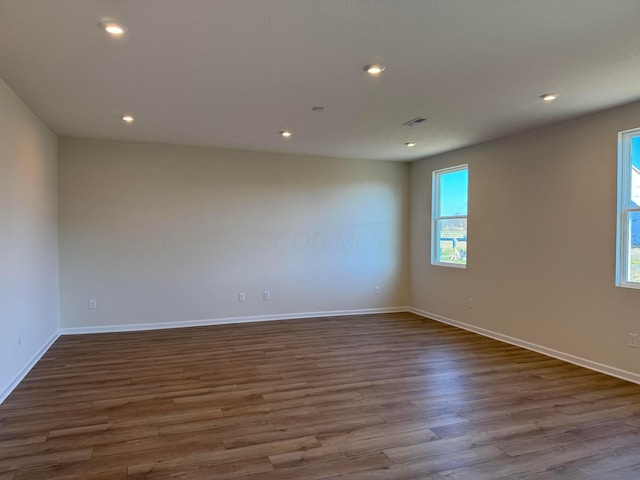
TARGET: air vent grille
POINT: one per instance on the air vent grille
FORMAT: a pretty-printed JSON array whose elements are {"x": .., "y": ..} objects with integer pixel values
[{"x": 414, "y": 122}]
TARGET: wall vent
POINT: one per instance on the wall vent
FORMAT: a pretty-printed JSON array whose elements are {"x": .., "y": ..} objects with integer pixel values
[{"x": 414, "y": 122}]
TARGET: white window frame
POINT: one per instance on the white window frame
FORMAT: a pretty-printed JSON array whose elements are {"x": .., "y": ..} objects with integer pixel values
[
  {"x": 435, "y": 209},
  {"x": 623, "y": 243}
]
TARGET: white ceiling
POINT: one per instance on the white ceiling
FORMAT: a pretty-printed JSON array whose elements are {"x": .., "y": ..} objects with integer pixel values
[{"x": 232, "y": 73}]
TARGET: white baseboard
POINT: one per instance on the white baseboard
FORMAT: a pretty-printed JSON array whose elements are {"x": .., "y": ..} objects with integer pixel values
[
  {"x": 583, "y": 362},
  {"x": 567, "y": 357},
  {"x": 225, "y": 321},
  {"x": 6, "y": 391}
]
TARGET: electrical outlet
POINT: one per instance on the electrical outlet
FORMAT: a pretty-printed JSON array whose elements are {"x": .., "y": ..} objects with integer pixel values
[
  {"x": 19, "y": 339},
  {"x": 376, "y": 290},
  {"x": 242, "y": 297},
  {"x": 266, "y": 295},
  {"x": 470, "y": 303},
  {"x": 93, "y": 304},
  {"x": 633, "y": 340}
]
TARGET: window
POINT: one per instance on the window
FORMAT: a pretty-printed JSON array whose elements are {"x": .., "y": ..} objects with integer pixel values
[
  {"x": 449, "y": 217},
  {"x": 628, "y": 249}
]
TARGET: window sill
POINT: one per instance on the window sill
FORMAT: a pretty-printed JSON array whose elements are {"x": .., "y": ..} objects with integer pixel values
[{"x": 459, "y": 265}]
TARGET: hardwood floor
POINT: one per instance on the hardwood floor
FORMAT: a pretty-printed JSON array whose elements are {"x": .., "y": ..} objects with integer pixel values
[{"x": 372, "y": 397}]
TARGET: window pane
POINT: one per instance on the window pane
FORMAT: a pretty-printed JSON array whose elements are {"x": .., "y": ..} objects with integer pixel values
[
  {"x": 453, "y": 193},
  {"x": 635, "y": 151},
  {"x": 452, "y": 241},
  {"x": 635, "y": 171},
  {"x": 634, "y": 247}
]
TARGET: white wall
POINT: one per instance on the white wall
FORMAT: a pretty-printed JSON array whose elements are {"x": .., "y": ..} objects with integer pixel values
[
  {"x": 29, "y": 240},
  {"x": 159, "y": 233},
  {"x": 542, "y": 233}
]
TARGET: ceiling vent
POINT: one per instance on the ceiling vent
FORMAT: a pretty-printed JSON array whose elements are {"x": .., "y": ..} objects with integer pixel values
[{"x": 414, "y": 122}]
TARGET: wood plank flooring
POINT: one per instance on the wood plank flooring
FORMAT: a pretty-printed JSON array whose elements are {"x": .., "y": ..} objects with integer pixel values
[{"x": 371, "y": 397}]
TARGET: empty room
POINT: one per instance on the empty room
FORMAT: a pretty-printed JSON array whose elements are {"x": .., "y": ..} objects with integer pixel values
[{"x": 319, "y": 239}]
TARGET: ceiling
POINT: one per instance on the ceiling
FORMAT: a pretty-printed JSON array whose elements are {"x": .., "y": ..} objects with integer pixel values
[{"x": 233, "y": 73}]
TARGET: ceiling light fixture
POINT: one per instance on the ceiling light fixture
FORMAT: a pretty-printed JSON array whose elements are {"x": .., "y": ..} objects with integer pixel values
[
  {"x": 286, "y": 133},
  {"x": 113, "y": 28},
  {"x": 549, "y": 97},
  {"x": 127, "y": 118},
  {"x": 374, "y": 69},
  {"x": 410, "y": 144}
]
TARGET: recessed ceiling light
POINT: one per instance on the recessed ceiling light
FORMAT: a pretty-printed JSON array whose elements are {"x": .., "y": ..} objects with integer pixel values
[
  {"x": 549, "y": 97},
  {"x": 410, "y": 144},
  {"x": 374, "y": 69},
  {"x": 127, "y": 118},
  {"x": 285, "y": 133},
  {"x": 318, "y": 109},
  {"x": 113, "y": 28}
]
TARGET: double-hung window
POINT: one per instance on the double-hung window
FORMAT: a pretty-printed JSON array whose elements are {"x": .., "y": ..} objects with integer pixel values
[
  {"x": 449, "y": 216},
  {"x": 628, "y": 247}
]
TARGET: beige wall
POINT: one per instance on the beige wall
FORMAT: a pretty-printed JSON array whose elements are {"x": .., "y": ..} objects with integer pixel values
[
  {"x": 159, "y": 233},
  {"x": 542, "y": 233},
  {"x": 29, "y": 241}
]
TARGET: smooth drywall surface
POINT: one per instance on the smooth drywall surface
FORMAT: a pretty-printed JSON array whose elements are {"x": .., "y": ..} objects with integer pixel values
[
  {"x": 158, "y": 233},
  {"x": 29, "y": 240},
  {"x": 542, "y": 241}
]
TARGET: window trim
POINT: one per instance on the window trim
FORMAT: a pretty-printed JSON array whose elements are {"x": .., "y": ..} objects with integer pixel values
[
  {"x": 435, "y": 204},
  {"x": 624, "y": 208}
]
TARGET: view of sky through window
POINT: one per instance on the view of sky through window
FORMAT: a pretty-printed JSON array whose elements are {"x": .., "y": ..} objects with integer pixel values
[
  {"x": 635, "y": 171},
  {"x": 453, "y": 193}
]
